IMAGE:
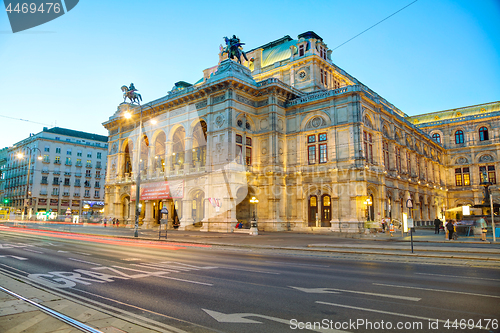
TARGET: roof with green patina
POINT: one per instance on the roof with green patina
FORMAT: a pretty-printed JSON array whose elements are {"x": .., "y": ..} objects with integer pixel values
[{"x": 451, "y": 114}]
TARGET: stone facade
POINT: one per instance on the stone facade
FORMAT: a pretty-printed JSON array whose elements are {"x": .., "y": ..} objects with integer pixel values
[{"x": 315, "y": 146}]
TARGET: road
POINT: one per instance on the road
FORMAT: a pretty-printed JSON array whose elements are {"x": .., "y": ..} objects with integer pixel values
[{"x": 196, "y": 288}]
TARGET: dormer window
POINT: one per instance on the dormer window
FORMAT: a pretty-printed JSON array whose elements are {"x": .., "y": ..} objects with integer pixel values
[
  {"x": 322, "y": 52},
  {"x": 301, "y": 50}
]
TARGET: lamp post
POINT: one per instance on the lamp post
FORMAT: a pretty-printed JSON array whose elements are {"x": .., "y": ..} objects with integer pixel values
[
  {"x": 26, "y": 198},
  {"x": 132, "y": 95},
  {"x": 487, "y": 194},
  {"x": 253, "y": 225},
  {"x": 368, "y": 203}
]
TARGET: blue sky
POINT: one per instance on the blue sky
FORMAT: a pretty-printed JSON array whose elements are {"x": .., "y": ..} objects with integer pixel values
[{"x": 433, "y": 55}]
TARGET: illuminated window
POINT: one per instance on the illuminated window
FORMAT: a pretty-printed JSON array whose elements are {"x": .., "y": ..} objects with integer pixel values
[
  {"x": 368, "y": 145},
  {"x": 312, "y": 154},
  {"x": 483, "y": 134},
  {"x": 323, "y": 158},
  {"x": 459, "y": 137},
  {"x": 436, "y": 137},
  {"x": 490, "y": 172},
  {"x": 311, "y": 139}
]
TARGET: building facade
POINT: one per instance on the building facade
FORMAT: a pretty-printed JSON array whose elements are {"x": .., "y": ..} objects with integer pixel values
[
  {"x": 67, "y": 171},
  {"x": 315, "y": 146}
]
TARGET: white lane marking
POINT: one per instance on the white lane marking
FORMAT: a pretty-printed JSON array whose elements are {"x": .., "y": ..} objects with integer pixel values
[
  {"x": 85, "y": 262},
  {"x": 239, "y": 318},
  {"x": 384, "y": 312},
  {"x": 171, "y": 278},
  {"x": 191, "y": 266},
  {"x": 33, "y": 251},
  {"x": 295, "y": 264},
  {"x": 85, "y": 254},
  {"x": 250, "y": 270},
  {"x": 154, "y": 267},
  {"x": 325, "y": 290},
  {"x": 132, "y": 259},
  {"x": 15, "y": 269},
  {"x": 441, "y": 290},
  {"x": 63, "y": 251},
  {"x": 15, "y": 257},
  {"x": 459, "y": 276}
]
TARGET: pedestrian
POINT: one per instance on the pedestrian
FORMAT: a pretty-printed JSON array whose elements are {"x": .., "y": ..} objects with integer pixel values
[
  {"x": 383, "y": 225},
  {"x": 451, "y": 228},
  {"x": 104, "y": 221},
  {"x": 484, "y": 228},
  {"x": 437, "y": 225},
  {"x": 114, "y": 221},
  {"x": 391, "y": 228},
  {"x": 117, "y": 223}
]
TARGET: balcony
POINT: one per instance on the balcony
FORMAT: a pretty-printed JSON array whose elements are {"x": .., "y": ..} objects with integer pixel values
[
  {"x": 45, "y": 171},
  {"x": 66, "y": 194},
  {"x": 78, "y": 164},
  {"x": 97, "y": 176},
  {"x": 56, "y": 172},
  {"x": 86, "y": 195},
  {"x": 98, "y": 166},
  {"x": 96, "y": 197},
  {"x": 57, "y": 162},
  {"x": 88, "y": 175},
  {"x": 43, "y": 193},
  {"x": 44, "y": 182},
  {"x": 78, "y": 174},
  {"x": 77, "y": 185},
  {"x": 76, "y": 195},
  {"x": 67, "y": 184},
  {"x": 67, "y": 173},
  {"x": 88, "y": 165},
  {"x": 55, "y": 183},
  {"x": 68, "y": 163}
]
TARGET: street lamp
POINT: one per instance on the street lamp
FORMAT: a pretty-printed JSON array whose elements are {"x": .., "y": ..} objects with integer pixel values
[
  {"x": 20, "y": 155},
  {"x": 253, "y": 225},
  {"x": 132, "y": 97},
  {"x": 368, "y": 203},
  {"x": 487, "y": 194}
]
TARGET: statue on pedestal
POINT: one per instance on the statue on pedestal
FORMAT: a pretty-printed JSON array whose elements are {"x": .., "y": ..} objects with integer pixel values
[{"x": 234, "y": 48}]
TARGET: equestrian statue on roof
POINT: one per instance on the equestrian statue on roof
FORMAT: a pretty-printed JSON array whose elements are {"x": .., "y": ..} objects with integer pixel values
[
  {"x": 234, "y": 48},
  {"x": 130, "y": 92}
]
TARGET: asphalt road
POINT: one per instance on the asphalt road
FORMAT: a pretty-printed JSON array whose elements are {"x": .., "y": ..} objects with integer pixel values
[{"x": 195, "y": 288}]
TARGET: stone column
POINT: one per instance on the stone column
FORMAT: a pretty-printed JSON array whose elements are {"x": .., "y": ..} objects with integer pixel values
[
  {"x": 186, "y": 220},
  {"x": 188, "y": 158},
  {"x": 148, "y": 214},
  {"x": 168, "y": 156}
]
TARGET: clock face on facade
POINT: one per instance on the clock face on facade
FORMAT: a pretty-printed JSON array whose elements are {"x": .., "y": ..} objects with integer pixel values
[{"x": 302, "y": 74}]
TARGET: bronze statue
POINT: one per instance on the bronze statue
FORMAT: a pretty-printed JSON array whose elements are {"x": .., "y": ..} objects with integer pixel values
[
  {"x": 234, "y": 48},
  {"x": 130, "y": 92}
]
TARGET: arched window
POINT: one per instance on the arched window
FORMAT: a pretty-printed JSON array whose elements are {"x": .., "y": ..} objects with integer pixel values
[
  {"x": 483, "y": 134},
  {"x": 436, "y": 137},
  {"x": 459, "y": 136}
]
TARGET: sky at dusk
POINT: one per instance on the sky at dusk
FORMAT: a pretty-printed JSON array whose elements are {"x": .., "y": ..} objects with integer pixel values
[{"x": 433, "y": 55}]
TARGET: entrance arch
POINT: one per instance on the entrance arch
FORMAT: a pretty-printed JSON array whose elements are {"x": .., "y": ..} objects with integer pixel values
[
  {"x": 244, "y": 210},
  {"x": 326, "y": 210},
  {"x": 198, "y": 206},
  {"x": 312, "y": 210}
]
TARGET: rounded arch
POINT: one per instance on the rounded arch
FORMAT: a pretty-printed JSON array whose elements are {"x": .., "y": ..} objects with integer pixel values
[
  {"x": 128, "y": 151},
  {"x": 458, "y": 135},
  {"x": 484, "y": 132},
  {"x": 245, "y": 122},
  {"x": 307, "y": 122},
  {"x": 159, "y": 150},
  {"x": 399, "y": 137},
  {"x": 174, "y": 129},
  {"x": 437, "y": 136},
  {"x": 488, "y": 157},
  {"x": 178, "y": 146},
  {"x": 386, "y": 130},
  {"x": 367, "y": 119},
  {"x": 460, "y": 159}
]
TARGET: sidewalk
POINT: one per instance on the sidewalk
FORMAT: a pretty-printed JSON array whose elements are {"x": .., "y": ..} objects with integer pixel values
[{"x": 19, "y": 316}]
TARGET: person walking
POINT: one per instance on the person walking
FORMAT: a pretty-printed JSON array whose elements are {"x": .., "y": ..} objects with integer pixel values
[
  {"x": 104, "y": 221},
  {"x": 437, "y": 225},
  {"x": 484, "y": 228},
  {"x": 450, "y": 227}
]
